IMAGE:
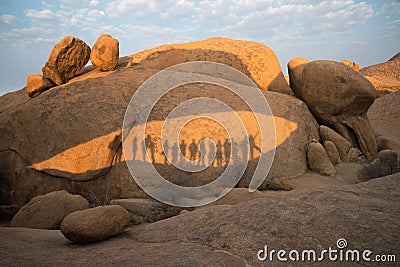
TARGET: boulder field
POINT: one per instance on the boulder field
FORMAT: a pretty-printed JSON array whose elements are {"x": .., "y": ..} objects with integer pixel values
[
  {"x": 65, "y": 147},
  {"x": 366, "y": 215},
  {"x": 83, "y": 119},
  {"x": 70, "y": 136}
]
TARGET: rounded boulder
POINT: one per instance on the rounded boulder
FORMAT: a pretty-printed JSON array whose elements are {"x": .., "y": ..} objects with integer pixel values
[
  {"x": 47, "y": 211},
  {"x": 95, "y": 224}
]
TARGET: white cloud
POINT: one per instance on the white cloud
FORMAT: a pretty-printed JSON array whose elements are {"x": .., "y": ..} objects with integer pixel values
[
  {"x": 9, "y": 19},
  {"x": 27, "y": 32},
  {"x": 250, "y": 19},
  {"x": 120, "y": 8},
  {"x": 391, "y": 7},
  {"x": 40, "y": 14},
  {"x": 95, "y": 15},
  {"x": 156, "y": 12}
]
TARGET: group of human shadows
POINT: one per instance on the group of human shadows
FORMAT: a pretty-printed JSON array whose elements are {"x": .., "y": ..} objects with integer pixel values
[{"x": 219, "y": 154}]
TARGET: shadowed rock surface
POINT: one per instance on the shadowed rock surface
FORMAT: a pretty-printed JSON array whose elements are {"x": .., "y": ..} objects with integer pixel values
[
  {"x": 319, "y": 160},
  {"x": 47, "y": 211},
  {"x": 366, "y": 215},
  {"x": 95, "y": 224},
  {"x": 332, "y": 152},
  {"x": 339, "y": 97},
  {"x": 343, "y": 146},
  {"x": 384, "y": 117},
  {"x": 146, "y": 210}
]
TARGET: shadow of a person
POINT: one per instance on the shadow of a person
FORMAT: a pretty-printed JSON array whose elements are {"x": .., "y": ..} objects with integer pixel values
[
  {"x": 143, "y": 145},
  {"x": 151, "y": 146},
  {"x": 202, "y": 153},
  {"x": 116, "y": 146},
  {"x": 227, "y": 151},
  {"x": 193, "y": 148},
  {"x": 165, "y": 151},
  {"x": 174, "y": 151},
  {"x": 211, "y": 154},
  {"x": 219, "y": 154},
  {"x": 235, "y": 155},
  {"x": 182, "y": 147},
  {"x": 134, "y": 148},
  {"x": 253, "y": 146}
]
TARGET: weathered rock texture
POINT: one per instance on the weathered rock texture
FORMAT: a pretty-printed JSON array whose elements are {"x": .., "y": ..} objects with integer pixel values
[
  {"x": 384, "y": 76},
  {"x": 95, "y": 224},
  {"x": 242, "y": 229},
  {"x": 47, "y": 211},
  {"x": 66, "y": 59},
  {"x": 384, "y": 116},
  {"x": 353, "y": 154},
  {"x": 83, "y": 120},
  {"x": 37, "y": 84},
  {"x": 319, "y": 160},
  {"x": 343, "y": 146},
  {"x": 295, "y": 70},
  {"x": 386, "y": 163},
  {"x": 367, "y": 215},
  {"x": 105, "y": 53},
  {"x": 340, "y": 97},
  {"x": 332, "y": 152},
  {"x": 255, "y": 60},
  {"x": 146, "y": 210}
]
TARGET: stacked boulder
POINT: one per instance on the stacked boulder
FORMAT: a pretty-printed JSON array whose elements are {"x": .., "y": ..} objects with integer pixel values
[
  {"x": 67, "y": 59},
  {"x": 71, "y": 214},
  {"x": 339, "y": 98},
  {"x": 105, "y": 53},
  {"x": 354, "y": 65}
]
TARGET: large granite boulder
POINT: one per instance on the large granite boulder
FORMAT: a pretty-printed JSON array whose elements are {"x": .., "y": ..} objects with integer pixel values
[
  {"x": 95, "y": 224},
  {"x": 66, "y": 59},
  {"x": 254, "y": 59},
  {"x": 339, "y": 97},
  {"x": 83, "y": 121},
  {"x": 105, "y": 53},
  {"x": 47, "y": 211}
]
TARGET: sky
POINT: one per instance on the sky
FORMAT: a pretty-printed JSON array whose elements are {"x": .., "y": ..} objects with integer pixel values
[{"x": 364, "y": 31}]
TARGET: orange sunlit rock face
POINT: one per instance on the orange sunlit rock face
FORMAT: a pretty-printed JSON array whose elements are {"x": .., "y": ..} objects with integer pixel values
[
  {"x": 234, "y": 133},
  {"x": 88, "y": 157}
]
